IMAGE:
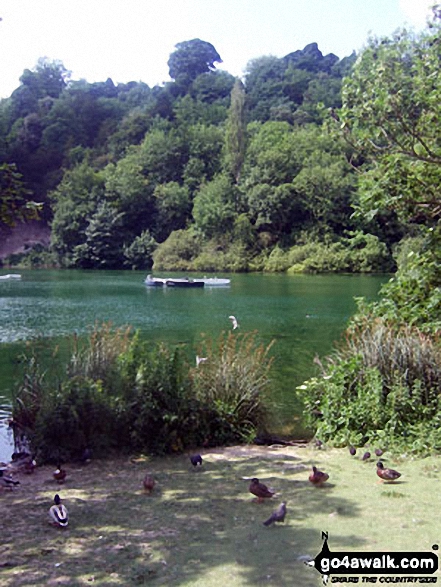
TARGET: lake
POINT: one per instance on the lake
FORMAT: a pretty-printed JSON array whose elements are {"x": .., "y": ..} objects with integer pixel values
[{"x": 303, "y": 314}]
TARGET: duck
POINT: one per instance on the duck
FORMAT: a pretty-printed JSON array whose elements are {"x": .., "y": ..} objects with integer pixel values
[
  {"x": 387, "y": 474},
  {"x": 317, "y": 477},
  {"x": 196, "y": 460},
  {"x": 29, "y": 466},
  {"x": 7, "y": 482},
  {"x": 59, "y": 474},
  {"x": 277, "y": 516},
  {"x": 58, "y": 513},
  {"x": 260, "y": 490},
  {"x": 148, "y": 483}
]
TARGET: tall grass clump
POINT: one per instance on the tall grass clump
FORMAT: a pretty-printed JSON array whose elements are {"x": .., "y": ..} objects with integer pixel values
[
  {"x": 117, "y": 392},
  {"x": 96, "y": 356},
  {"x": 233, "y": 380},
  {"x": 382, "y": 385}
]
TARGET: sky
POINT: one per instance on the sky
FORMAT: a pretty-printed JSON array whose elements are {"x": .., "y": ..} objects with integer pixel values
[{"x": 131, "y": 40}]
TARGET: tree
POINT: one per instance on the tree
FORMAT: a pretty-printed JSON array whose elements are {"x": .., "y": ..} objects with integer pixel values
[
  {"x": 48, "y": 78},
  {"x": 213, "y": 209},
  {"x": 139, "y": 254},
  {"x": 103, "y": 247},
  {"x": 191, "y": 59},
  {"x": 391, "y": 117},
  {"x": 74, "y": 201},
  {"x": 14, "y": 203},
  {"x": 235, "y": 133}
]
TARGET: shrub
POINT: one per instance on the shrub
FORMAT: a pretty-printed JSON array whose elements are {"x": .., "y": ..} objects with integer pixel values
[
  {"x": 118, "y": 392},
  {"x": 382, "y": 385},
  {"x": 177, "y": 252}
]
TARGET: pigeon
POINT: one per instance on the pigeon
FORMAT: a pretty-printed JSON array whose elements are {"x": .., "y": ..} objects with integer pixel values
[
  {"x": 378, "y": 452},
  {"x": 277, "y": 516},
  {"x": 387, "y": 474},
  {"x": 366, "y": 456},
  {"x": 260, "y": 490},
  {"x": 352, "y": 450},
  {"x": 7, "y": 482},
  {"x": 149, "y": 483},
  {"x": 317, "y": 477},
  {"x": 58, "y": 513},
  {"x": 196, "y": 460},
  {"x": 234, "y": 322}
]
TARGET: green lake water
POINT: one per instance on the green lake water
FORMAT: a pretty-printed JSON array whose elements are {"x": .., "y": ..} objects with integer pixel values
[{"x": 304, "y": 314}]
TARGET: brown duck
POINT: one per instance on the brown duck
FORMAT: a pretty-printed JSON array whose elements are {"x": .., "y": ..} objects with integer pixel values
[
  {"x": 317, "y": 477},
  {"x": 149, "y": 483},
  {"x": 387, "y": 474},
  {"x": 260, "y": 490},
  {"x": 59, "y": 474}
]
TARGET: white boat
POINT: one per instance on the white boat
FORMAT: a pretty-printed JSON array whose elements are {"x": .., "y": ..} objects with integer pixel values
[
  {"x": 186, "y": 281},
  {"x": 10, "y": 276}
]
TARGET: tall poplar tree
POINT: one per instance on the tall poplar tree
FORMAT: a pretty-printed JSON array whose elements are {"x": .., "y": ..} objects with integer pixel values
[{"x": 235, "y": 135}]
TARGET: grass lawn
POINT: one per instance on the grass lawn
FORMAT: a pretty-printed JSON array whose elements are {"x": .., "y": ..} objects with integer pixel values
[{"x": 203, "y": 528}]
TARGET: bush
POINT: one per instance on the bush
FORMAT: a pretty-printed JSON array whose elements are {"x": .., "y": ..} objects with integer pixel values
[
  {"x": 357, "y": 253},
  {"x": 177, "y": 252},
  {"x": 383, "y": 385},
  {"x": 120, "y": 393}
]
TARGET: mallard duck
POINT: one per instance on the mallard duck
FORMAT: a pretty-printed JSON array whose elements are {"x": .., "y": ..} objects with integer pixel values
[
  {"x": 277, "y": 516},
  {"x": 318, "y": 477},
  {"x": 387, "y": 474},
  {"x": 196, "y": 460},
  {"x": 29, "y": 466},
  {"x": 260, "y": 490},
  {"x": 7, "y": 482},
  {"x": 58, "y": 513},
  {"x": 59, "y": 474},
  {"x": 149, "y": 482}
]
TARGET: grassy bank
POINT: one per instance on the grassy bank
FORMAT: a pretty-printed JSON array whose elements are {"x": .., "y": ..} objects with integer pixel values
[{"x": 202, "y": 528}]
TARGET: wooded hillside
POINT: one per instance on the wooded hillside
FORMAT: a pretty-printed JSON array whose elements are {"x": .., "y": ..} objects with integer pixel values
[{"x": 205, "y": 172}]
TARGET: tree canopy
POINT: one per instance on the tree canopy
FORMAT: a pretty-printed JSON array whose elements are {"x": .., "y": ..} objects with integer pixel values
[{"x": 191, "y": 59}]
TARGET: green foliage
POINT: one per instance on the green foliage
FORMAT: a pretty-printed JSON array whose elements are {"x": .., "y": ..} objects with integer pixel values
[
  {"x": 74, "y": 200},
  {"x": 390, "y": 116},
  {"x": 413, "y": 295},
  {"x": 235, "y": 132},
  {"x": 14, "y": 203},
  {"x": 103, "y": 246},
  {"x": 191, "y": 59},
  {"x": 356, "y": 253},
  {"x": 120, "y": 393},
  {"x": 139, "y": 254},
  {"x": 232, "y": 380},
  {"x": 177, "y": 252},
  {"x": 382, "y": 386},
  {"x": 214, "y": 206}
]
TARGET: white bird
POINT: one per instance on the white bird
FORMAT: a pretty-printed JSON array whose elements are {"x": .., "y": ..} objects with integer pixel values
[
  {"x": 58, "y": 513},
  {"x": 234, "y": 322},
  {"x": 200, "y": 360}
]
